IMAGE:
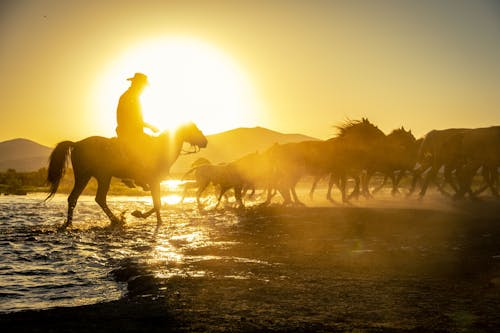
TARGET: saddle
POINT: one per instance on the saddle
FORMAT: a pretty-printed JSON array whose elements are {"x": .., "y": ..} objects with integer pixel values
[{"x": 137, "y": 155}]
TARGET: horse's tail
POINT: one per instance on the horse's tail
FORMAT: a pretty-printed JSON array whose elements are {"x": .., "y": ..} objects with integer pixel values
[{"x": 57, "y": 165}]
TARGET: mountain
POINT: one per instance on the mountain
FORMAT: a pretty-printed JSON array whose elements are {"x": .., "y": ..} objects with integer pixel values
[
  {"x": 23, "y": 155},
  {"x": 26, "y": 155},
  {"x": 233, "y": 144}
]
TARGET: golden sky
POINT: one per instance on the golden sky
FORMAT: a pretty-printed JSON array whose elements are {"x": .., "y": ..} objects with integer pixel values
[{"x": 291, "y": 66}]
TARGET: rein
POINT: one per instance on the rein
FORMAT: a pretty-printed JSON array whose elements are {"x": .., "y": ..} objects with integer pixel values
[{"x": 194, "y": 150}]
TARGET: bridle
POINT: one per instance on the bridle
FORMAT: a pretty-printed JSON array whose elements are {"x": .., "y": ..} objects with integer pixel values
[{"x": 194, "y": 149}]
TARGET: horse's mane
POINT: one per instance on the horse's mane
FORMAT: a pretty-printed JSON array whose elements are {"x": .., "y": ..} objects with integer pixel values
[{"x": 349, "y": 125}]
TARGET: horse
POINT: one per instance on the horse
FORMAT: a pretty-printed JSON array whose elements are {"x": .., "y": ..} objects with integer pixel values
[
  {"x": 348, "y": 154},
  {"x": 225, "y": 176},
  {"x": 396, "y": 153},
  {"x": 341, "y": 156},
  {"x": 440, "y": 148},
  {"x": 480, "y": 147},
  {"x": 289, "y": 162},
  {"x": 255, "y": 171},
  {"x": 103, "y": 158},
  {"x": 247, "y": 172}
]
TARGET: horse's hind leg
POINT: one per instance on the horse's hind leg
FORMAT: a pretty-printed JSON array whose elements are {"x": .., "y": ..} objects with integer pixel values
[
  {"x": 379, "y": 187},
  {"x": 417, "y": 176},
  {"x": 238, "y": 196},
  {"x": 313, "y": 187},
  {"x": 295, "y": 197},
  {"x": 333, "y": 180},
  {"x": 201, "y": 188},
  {"x": 80, "y": 183},
  {"x": 223, "y": 189},
  {"x": 431, "y": 176},
  {"x": 100, "y": 198}
]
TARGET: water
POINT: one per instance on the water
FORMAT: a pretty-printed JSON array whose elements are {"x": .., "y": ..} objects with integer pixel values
[
  {"x": 89, "y": 263},
  {"x": 42, "y": 268}
]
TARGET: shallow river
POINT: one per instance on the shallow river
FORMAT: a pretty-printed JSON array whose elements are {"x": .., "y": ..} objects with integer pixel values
[{"x": 41, "y": 267}]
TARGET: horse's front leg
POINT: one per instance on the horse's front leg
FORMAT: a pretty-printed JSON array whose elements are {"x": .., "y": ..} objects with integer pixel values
[
  {"x": 313, "y": 187},
  {"x": 238, "y": 196},
  {"x": 100, "y": 198},
  {"x": 156, "y": 196}
]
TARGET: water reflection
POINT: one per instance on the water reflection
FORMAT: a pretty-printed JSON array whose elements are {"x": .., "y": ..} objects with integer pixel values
[{"x": 41, "y": 268}]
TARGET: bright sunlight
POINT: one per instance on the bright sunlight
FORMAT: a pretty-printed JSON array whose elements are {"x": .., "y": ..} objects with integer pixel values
[{"x": 189, "y": 81}]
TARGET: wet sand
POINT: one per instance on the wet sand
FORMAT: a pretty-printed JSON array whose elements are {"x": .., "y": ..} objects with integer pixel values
[{"x": 370, "y": 268}]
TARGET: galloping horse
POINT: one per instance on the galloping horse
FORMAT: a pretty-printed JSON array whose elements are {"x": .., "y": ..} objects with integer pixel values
[
  {"x": 351, "y": 152},
  {"x": 440, "y": 148},
  {"x": 396, "y": 153},
  {"x": 480, "y": 147},
  {"x": 344, "y": 155},
  {"x": 225, "y": 176},
  {"x": 102, "y": 158},
  {"x": 289, "y": 163}
]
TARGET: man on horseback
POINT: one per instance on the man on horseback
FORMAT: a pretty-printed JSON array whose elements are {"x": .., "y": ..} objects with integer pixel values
[{"x": 130, "y": 126}]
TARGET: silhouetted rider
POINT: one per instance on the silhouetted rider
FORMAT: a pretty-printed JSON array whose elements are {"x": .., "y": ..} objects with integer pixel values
[
  {"x": 129, "y": 111},
  {"x": 130, "y": 124}
]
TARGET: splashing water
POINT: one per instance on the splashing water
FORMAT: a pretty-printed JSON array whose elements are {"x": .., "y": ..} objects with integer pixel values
[{"x": 42, "y": 268}]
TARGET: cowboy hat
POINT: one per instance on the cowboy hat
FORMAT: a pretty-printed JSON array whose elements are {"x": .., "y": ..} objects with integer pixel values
[{"x": 139, "y": 77}]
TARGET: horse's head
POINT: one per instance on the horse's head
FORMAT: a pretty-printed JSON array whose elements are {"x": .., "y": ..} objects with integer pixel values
[
  {"x": 360, "y": 130},
  {"x": 191, "y": 134},
  {"x": 403, "y": 137}
]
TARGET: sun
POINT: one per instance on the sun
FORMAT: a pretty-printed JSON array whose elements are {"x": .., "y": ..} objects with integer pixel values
[{"x": 189, "y": 81}]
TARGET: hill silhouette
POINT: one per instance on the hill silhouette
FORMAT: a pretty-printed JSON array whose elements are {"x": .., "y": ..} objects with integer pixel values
[
  {"x": 25, "y": 155},
  {"x": 230, "y": 145}
]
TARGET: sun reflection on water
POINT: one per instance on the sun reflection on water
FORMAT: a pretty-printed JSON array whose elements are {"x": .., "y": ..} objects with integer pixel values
[{"x": 192, "y": 244}]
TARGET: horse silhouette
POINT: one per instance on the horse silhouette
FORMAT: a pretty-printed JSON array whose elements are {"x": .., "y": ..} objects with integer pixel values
[
  {"x": 439, "y": 149},
  {"x": 255, "y": 171},
  {"x": 348, "y": 154},
  {"x": 480, "y": 147},
  {"x": 394, "y": 156},
  {"x": 340, "y": 157},
  {"x": 102, "y": 158},
  {"x": 291, "y": 161},
  {"x": 225, "y": 176}
]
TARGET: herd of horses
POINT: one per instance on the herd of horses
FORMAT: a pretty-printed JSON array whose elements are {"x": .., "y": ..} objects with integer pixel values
[{"x": 357, "y": 153}]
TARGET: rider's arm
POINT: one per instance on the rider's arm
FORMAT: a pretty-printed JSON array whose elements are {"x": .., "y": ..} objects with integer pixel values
[{"x": 151, "y": 127}]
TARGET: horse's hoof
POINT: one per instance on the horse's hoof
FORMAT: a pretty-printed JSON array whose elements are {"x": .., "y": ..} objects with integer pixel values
[
  {"x": 138, "y": 214},
  {"x": 116, "y": 225},
  {"x": 62, "y": 228}
]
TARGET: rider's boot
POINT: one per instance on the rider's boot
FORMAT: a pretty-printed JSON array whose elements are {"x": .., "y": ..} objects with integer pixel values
[{"x": 129, "y": 182}]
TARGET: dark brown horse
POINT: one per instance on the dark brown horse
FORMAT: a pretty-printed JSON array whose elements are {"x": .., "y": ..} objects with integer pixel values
[
  {"x": 479, "y": 147},
  {"x": 348, "y": 154},
  {"x": 340, "y": 157},
  {"x": 439, "y": 149},
  {"x": 393, "y": 157},
  {"x": 103, "y": 158}
]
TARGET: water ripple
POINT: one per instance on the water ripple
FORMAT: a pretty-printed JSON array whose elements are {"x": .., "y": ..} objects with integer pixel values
[{"x": 41, "y": 267}]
